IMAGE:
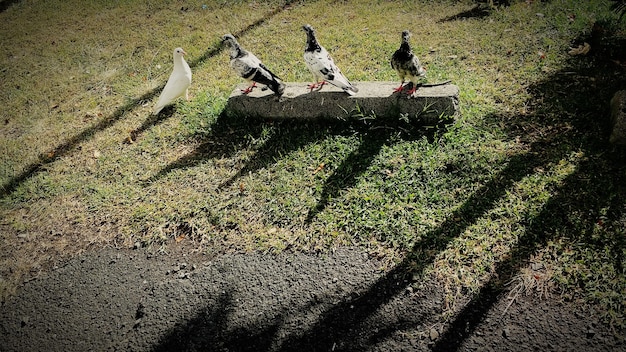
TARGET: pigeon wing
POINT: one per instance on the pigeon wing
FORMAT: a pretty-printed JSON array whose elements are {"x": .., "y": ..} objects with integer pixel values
[
  {"x": 176, "y": 86},
  {"x": 323, "y": 67},
  {"x": 252, "y": 69},
  {"x": 407, "y": 64}
]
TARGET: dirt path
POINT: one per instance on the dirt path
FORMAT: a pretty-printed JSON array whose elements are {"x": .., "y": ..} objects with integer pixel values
[{"x": 116, "y": 300}]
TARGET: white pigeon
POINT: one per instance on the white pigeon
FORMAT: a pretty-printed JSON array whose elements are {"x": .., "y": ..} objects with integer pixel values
[
  {"x": 249, "y": 67},
  {"x": 407, "y": 64},
  {"x": 178, "y": 83},
  {"x": 322, "y": 65}
]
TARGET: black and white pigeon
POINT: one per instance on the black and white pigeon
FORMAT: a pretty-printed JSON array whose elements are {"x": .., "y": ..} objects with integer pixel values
[
  {"x": 251, "y": 68},
  {"x": 322, "y": 65},
  {"x": 178, "y": 83},
  {"x": 407, "y": 64}
]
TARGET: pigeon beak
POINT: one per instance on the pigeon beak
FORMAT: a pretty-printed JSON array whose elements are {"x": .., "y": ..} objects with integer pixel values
[{"x": 183, "y": 52}]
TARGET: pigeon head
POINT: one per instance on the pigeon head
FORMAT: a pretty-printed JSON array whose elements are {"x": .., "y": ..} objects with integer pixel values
[
  {"x": 311, "y": 41},
  {"x": 235, "y": 49},
  {"x": 179, "y": 51},
  {"x": 405, "y": 36},
  {"x": 229, "y": 40}
]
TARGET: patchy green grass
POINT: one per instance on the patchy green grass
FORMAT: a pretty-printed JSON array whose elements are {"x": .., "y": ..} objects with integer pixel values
[{"x": 525, "y": 178}]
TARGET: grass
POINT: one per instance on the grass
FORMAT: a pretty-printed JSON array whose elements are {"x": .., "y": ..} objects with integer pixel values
[{"x": 524, "y": 176}]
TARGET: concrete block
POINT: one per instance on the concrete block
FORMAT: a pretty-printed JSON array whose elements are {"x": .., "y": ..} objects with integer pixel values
[{"x": 429, "y": 105}]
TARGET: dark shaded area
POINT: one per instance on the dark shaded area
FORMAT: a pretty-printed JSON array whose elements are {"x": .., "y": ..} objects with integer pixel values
[
  {"x": 231, "y": 133},
  {"x": 482, "y": 9},
  {"x": 5, "y": 4},
  {"x": 70, "y": 144},
  {"x": 568, "y": 119},
  {"x": 571, "y": 125},
  {"x": 208, "y": 325},
  {"x": 477, "y": 11}
]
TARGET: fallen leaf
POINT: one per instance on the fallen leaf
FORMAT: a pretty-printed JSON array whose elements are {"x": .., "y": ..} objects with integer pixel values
[
  {"x": 319, "y": 168},
  {"x": 96, "y": 154},
  {"x": 179, "y": 238},
  {"x": 582, "y": 49}
]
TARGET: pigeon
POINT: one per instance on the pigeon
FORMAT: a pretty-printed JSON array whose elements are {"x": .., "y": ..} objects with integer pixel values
[
  {"x": 322, "y": 65},
  {"x": 178, "y": 83},
  {"x": 407, "y": 64},
  {"x": 251, "y": 68}
]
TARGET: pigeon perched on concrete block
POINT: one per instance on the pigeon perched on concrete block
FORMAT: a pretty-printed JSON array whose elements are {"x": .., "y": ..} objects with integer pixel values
[
  {"x": 407, "y": 64},
  {"x": 322, "y": 65},
  {"x": 178, "y": 83},
  {"x": 251, "y": 68}
]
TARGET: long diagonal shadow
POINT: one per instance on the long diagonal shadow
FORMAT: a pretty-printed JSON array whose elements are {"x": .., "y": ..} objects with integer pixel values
[
  {"x": 347, "y": 173},
  {"x": 374, "y": 136},
  {"x": 230, "y": 134},
  {"x": 66, "y": 147},
  {"x": 338, "y": 324},
  {"x": 584, "y": 193},
  {"x": 554, "y": 215}
]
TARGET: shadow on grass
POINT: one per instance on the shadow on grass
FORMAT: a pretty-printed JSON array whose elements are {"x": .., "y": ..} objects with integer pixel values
[
  {"x": 229, "y": 134},
  {"x": 70, "y": 144},
  {"x": 477, "y": 11},
  {"x": 594, "y": 194},
  {"x": 5, "y": 4}
]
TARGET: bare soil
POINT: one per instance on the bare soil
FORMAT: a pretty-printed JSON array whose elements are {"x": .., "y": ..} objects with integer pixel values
[{"x": 133, "y": 300}]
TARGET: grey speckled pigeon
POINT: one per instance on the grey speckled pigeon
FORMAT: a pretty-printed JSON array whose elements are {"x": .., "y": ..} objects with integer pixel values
[
  {"x": 407, "y": 64},
  {"x": 322, "y": 65},
  {"x": 178, "y": 83},
  {"x": 251, "y": 68}
]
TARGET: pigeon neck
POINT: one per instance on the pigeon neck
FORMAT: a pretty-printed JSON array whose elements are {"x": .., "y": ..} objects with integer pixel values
[
  {"x": 236, "y": 52},
  {"x": 178, "y": 61},
  {"x": 312, "y": 44},
  {"x": 405, "y": 46}
]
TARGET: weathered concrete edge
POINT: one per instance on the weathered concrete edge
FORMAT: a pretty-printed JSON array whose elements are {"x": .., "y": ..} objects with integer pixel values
[{"x": 429, "y": 105}]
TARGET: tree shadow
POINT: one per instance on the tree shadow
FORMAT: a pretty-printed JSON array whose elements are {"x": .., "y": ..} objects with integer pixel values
[
  {"x": 71, "y": 143},
  {"x": 374, "y": 135},
  {"x": 205, "y": 332},
  {"x": 594, "y": 195},
  {"x": 574, "y": 196},
  {"x": 286, "y": 136},
  {"x": 5, "y": 4},
  {"x": 557, "y": 128},
  {"x": 477, "y": 11},
  {"x": 226, "y": 136}
]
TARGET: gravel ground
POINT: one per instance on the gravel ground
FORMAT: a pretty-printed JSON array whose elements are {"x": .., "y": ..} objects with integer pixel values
[{"x": 121, "y": 300}]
